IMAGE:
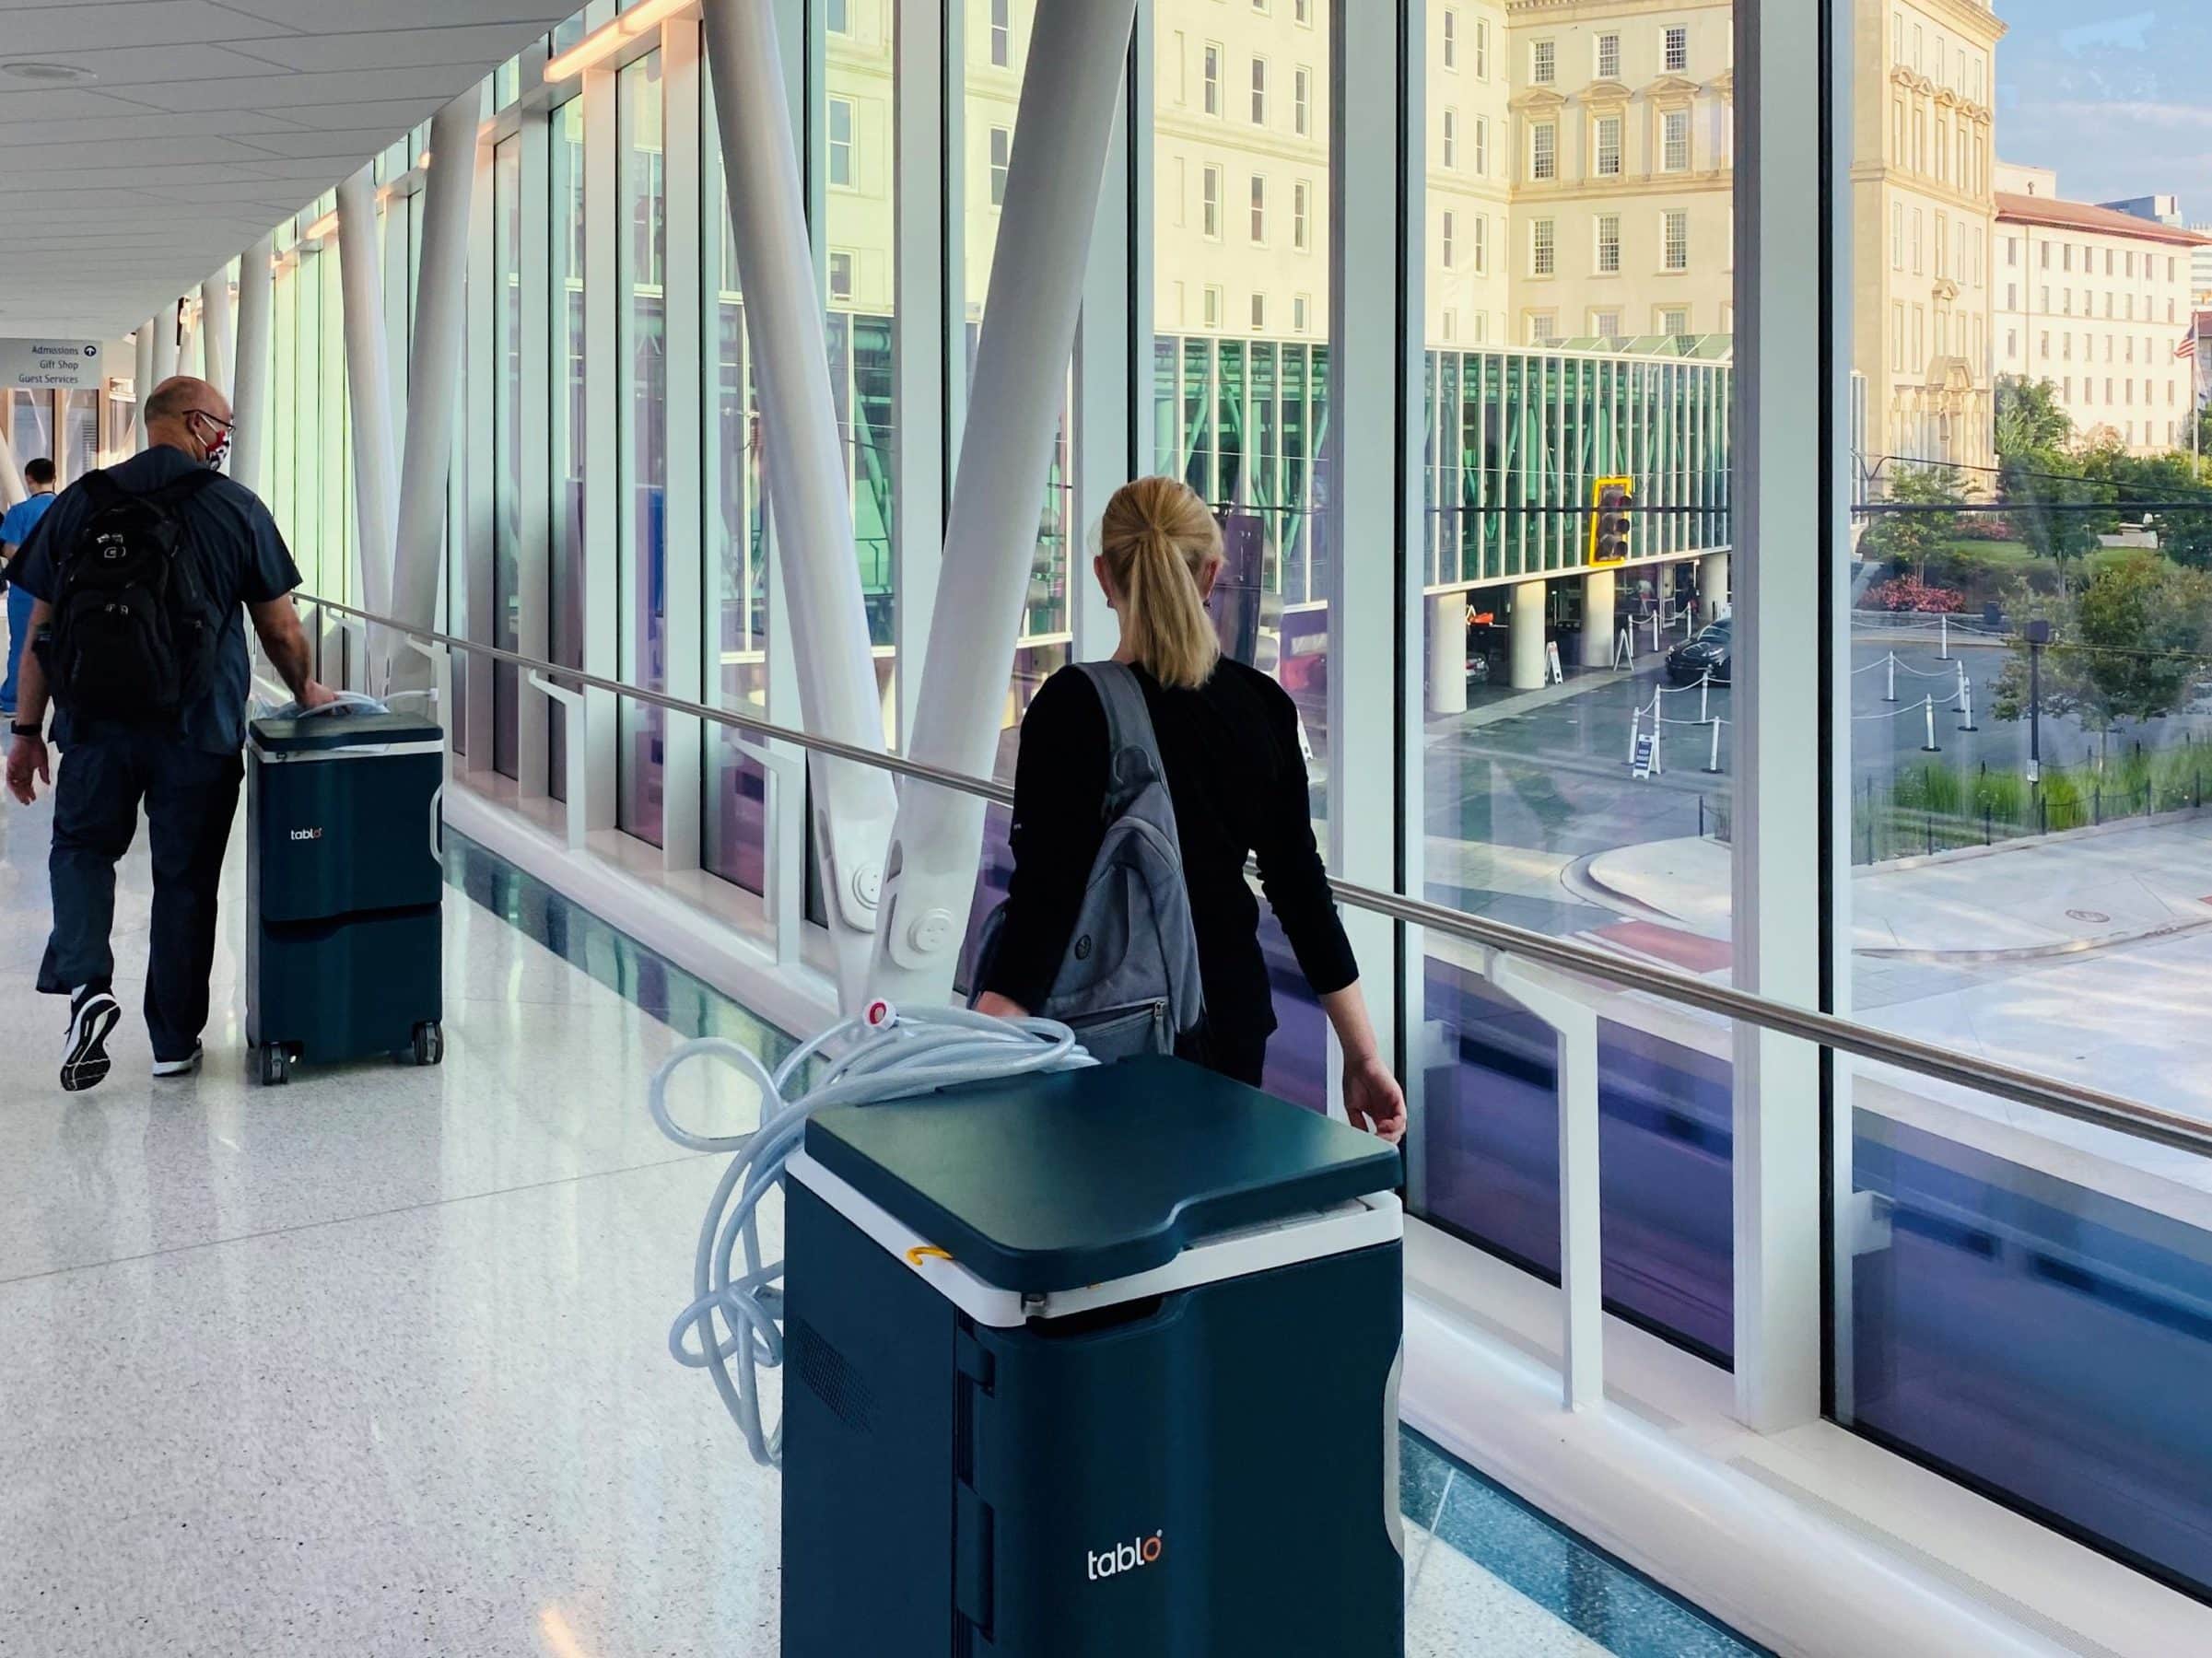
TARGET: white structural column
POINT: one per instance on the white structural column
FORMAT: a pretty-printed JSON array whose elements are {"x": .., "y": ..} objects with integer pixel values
[
  {"x": 1528, "y": 634},
  {"x": 11, "y": 477},
  {"x": 1600, "y": 593},
  {"x": 1078, "y": 53},
  {"x": 1099, "y": 442},
  {"x": 1447, "y": 653},
  {"x": 1712, "y": 586},
  {"x": 927, "y": 268},
  {"x": 219, "y": 330},
  {"x": 165, "y": 343},
  {"x": 144, "y": 381},
  {"x": 250, "y": 374},
  {"x": 433, "y": 377},
  {"x": 689, "y": 380},
  {"x": 1780, "y": 185},
  {"x": 375, "y": 481},
  {"x": 817, "y": 569}
]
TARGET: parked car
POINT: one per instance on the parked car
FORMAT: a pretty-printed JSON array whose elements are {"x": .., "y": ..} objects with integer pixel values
[{"x": 1710, "y": 653}]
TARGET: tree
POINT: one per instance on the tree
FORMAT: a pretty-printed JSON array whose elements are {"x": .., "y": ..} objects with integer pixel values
[
  {"x": 1905, "y": 540},
  {"x": 2030, "y": 420},
  {"x": 2130, "y": 645},
  {"x": 2046, "y": 494}
]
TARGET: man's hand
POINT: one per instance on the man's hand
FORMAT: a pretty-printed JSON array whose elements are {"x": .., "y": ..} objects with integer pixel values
[
  {"x": 316, "y": 695},
  {"x": 27, "y": 759}
]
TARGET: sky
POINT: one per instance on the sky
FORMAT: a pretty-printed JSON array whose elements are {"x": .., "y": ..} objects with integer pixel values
[{"x": 2117, "y": 97}]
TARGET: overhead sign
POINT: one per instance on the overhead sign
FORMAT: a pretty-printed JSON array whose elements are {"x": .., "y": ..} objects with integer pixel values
[{"x": 50, "y": 365}]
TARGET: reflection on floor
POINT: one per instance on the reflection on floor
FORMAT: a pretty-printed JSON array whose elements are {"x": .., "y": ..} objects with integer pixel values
[{"x": 374, "y": 1364}]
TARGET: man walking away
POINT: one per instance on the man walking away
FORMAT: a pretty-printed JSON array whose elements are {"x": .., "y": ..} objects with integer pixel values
[
  {"x": 140, "y": 576},
  {"x": 14, "y": 530}
]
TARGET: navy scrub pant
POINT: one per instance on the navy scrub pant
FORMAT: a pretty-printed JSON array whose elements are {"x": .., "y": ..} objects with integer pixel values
[{"x": 190, "y": 799}]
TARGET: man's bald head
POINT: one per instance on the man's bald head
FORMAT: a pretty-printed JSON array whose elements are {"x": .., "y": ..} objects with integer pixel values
[
  {"x": 190, "y": 414},
  {"x": 181, "y": 395}
]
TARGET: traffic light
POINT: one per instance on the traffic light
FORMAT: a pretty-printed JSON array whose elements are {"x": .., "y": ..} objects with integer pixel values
[{"x": 1612, "y": 499}]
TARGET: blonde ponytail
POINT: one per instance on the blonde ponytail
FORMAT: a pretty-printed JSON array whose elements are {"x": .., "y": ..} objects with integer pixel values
[{"x": 1159, "y": 542}]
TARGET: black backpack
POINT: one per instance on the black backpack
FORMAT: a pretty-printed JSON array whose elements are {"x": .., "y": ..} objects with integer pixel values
[{"x": 134, "y": 630}]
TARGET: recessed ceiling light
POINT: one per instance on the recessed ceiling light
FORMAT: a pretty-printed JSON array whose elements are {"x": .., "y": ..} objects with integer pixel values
[{"x": 50, "y": 73}]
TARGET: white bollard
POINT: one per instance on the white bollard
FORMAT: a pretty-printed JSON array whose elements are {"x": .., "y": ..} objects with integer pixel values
[
  {"x": 1892, "y": 697},
  {"x": 1943, "y": 621},
  {"x": 1636, "y": 729},
  {"x": 1712, "y": 760},
  {"x": 1704, "y": 686},
  {"x": 1929, "y": 746}
]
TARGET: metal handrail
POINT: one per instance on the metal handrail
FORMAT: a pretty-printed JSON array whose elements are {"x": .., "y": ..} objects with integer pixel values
[{"x": 2115, "y": 1112}]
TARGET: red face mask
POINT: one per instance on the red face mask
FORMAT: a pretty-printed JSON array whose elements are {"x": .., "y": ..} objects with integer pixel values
[{"x": 220, "y": 446}]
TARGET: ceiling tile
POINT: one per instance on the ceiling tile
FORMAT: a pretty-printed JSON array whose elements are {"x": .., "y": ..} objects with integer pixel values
[
  {"x": 36, "y": 30},
  {"x": 431, "y": 82},
  {"x": 486, "y": 43}
]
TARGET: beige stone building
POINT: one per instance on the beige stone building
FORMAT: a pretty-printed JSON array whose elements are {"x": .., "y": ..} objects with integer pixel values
[
  {"x": 1622, "y": 169},
  {"x": 1924, "y": 220},
  {"x": 2095, "y": 301}
]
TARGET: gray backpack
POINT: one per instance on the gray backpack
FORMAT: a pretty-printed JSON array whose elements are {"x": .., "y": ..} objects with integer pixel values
[{"x": 1129, "y": 983}]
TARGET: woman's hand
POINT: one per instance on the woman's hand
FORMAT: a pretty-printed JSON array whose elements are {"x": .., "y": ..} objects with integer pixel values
[{"x": 1373, "y": 1099}]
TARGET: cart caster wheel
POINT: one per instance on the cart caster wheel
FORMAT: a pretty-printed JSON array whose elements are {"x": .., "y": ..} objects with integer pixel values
[
  {"x": 271, "y": 1065},
  {"x": 430, "y": 1043}
]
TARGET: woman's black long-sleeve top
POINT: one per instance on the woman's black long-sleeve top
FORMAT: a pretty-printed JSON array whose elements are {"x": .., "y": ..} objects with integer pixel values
[{"x": 1235, "y": 769}]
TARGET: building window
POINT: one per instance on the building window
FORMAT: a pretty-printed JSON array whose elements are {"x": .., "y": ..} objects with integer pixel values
[
  {"x": 1543, "y": 247},
  {"x": 1543, "y": 150},
  {"x": 1259, "y": 303},
  {"x": 1543, "y": 61},
  {"x": 1259, "y": 91},
  {"x": 1609, "y": 146},
  {"x": 1896, "y": 235},
  {"x": 840, "y": 276},
  {"x": 1609, "y": 57},
  {"x": 1451, "y": 38},
  {"x": 1212, "y": 313},
  {"x": 1674, "y": 130},
  {"x": 840, "y": 17},
  {"x": 1451, "y": 325},
  {"x": 1210, "y": 202},
  {"x": 1608, "y": 244},
  {"x": 1674, "y": 237},
  {"x": 1482, "y": 49},
  {"x": 1301, "y": 200},
  {"x": 1674, "y": 320},
  {"x": 1001, "y": 151},
  {"x": 1302, "y": 100},
  {"x": 1677, "y": 50},
  {"x": 1483, "y": 145},
  {"x": 1001, "y": 33},
  {"x": 841, "y": 170},
  {"x": 1260, "y": 208},
  {"x": 1301, "y": 313},
  {"x": 1211, "y": 79},
  {"x": 1447, "y": 249},
  {"x": 1303, "y": 12},
  {"x": 1606, "y": 324},
  {"x": 1478, "y": 258},
  {"x": 1542, "y": 331}
]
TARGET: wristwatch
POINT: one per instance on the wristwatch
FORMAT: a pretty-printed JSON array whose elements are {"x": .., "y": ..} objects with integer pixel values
[{"x": 27, "y": 731}]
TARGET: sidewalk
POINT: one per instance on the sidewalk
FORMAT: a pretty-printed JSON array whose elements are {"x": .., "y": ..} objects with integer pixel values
[{"x": 2022, "y": 901}]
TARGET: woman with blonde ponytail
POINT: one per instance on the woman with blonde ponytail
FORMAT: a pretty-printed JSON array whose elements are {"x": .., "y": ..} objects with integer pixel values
[{"x": 1229, "y": 743}]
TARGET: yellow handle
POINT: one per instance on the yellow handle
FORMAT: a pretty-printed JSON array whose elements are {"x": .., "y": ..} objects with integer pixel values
[{"x": 926, "y": 1252}]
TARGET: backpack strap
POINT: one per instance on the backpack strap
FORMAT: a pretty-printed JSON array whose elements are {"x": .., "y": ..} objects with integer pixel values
[
  {"x": 102, "y": 491},
  {"x": 1129, "y": 717}
]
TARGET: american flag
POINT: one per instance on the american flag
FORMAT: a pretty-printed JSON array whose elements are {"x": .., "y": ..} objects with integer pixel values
[{"x": 2187, "y": 348}]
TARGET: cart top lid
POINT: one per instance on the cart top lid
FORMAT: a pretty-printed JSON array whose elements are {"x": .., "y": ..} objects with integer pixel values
[
  {"x": 314, "y": 732},
  {"x": 1051, "y": 1183}
]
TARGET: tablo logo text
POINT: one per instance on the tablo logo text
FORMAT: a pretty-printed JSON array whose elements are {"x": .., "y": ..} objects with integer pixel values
[
  {"x": 1135, "y": 1555},
  {"x": 307, "y": 834}
]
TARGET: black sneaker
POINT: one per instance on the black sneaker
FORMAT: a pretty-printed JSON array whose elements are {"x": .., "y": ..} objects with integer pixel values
[
  {"x": 180, "y": 1067},
  {"x": 85, "y": 1053}
]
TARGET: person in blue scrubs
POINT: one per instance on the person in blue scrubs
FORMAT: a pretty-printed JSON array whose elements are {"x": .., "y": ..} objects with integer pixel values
[{"x": 14, "y": 530}]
